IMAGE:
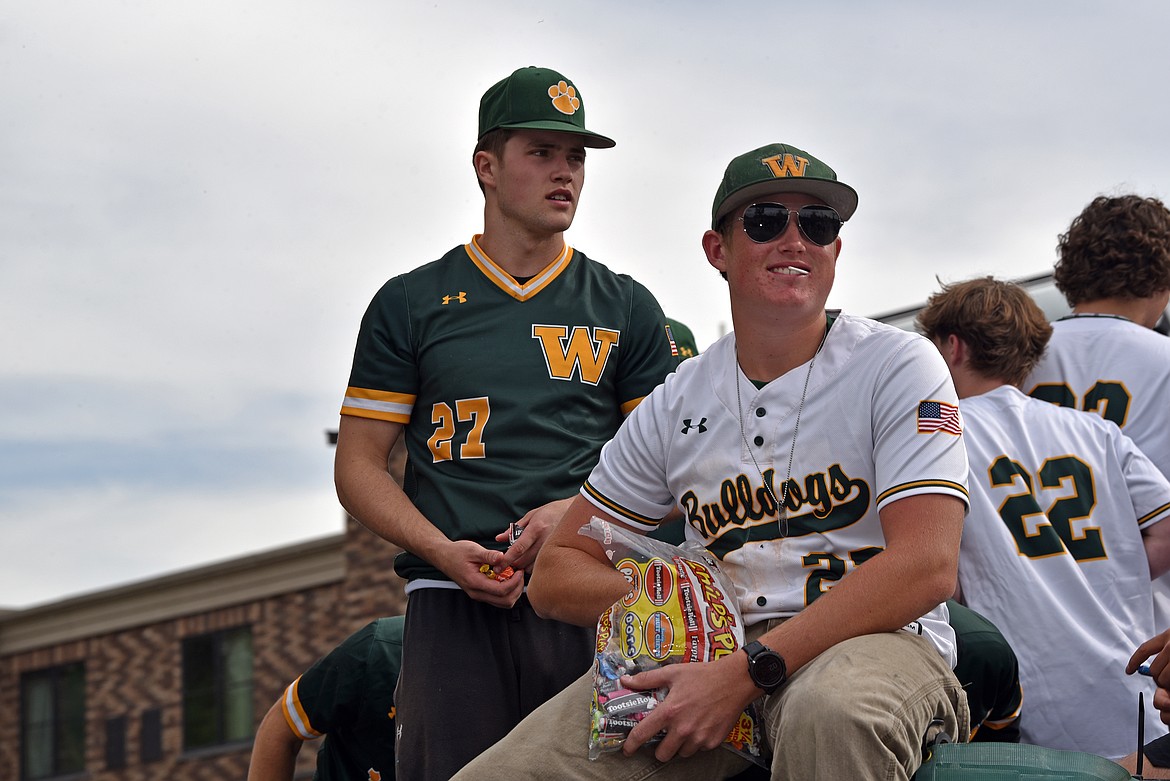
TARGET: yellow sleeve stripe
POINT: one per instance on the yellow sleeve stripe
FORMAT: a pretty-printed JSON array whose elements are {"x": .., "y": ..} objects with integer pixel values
[
  {"x": 294, "y": 713},
  {"x": 1006, "y": 721},
  {"x": 950, "y": 488},
  {"x": 1001, "y": 723},
  {"x": 1154, "y": 514},
  {"x": 993, "y": 726},
  {"x": 628, "y": 407},
  {"x": 617, "y": 509},
  {"x": 383, "y": 405}
]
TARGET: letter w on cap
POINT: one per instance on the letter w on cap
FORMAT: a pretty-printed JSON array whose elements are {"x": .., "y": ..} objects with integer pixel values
[{"x": 785, "y": 165}]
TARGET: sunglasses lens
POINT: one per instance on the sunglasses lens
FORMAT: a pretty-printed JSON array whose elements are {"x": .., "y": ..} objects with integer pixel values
[
  {"x": 819, "y": 224},
  {"x": 763, "y": 222}
]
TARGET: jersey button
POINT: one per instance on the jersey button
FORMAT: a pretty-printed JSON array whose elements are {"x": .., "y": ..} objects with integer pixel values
[
  {"x": 761, "y": 412},
  {"x": 761, "y": 601},
  {"x": 759, "y": 441}
]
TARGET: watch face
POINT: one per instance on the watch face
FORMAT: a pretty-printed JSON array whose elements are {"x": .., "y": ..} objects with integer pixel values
[{"x": 769, "y": 669}]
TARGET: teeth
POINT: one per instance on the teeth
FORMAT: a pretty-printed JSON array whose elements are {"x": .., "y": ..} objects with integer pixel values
[{"x": 791, "y": 270}]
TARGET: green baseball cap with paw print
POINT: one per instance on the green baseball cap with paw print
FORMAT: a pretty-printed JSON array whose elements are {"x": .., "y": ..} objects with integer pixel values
[{"x": 537, "y": 99}]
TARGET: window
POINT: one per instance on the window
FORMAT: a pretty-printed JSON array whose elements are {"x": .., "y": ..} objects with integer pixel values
[
  {"x": 217, "y": 688},
  {"x": 150, "y": 736},
  {"x": 52, "y": 721},
  {"x": 116, "y": 743}
]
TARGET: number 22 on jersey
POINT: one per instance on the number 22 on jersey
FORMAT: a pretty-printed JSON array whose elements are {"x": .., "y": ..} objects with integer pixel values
[
  {"x": 1057, "y": 535},
  {"x": 1109, "y": 399}
]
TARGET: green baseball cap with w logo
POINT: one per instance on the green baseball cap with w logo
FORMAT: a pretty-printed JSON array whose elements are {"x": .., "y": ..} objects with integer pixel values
[
  {"x": 779, "y": 168},
  {"x": 537, "y": 99}
]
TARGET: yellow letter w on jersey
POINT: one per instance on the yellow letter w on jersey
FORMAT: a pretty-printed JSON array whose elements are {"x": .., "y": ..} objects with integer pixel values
[{"x": 582, "y": 351}]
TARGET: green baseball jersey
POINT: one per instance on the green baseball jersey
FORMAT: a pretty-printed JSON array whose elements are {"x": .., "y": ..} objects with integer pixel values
[
  {"x": 990, "y": 675},
  {"x": 507, "y": 390},
  {"x": 348, "y": 696}
]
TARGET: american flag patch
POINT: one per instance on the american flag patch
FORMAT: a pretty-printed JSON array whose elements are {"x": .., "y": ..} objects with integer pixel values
[
  {"x": 673, "y": 344},
  {"x": 938, "y": 416}
]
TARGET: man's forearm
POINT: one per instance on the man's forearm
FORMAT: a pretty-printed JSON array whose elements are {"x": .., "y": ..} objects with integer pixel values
[
  {"x": 914, "y": 574},
  {"x": 377, "y": 502},
  {"x": 1157, "y": 545},
  {"x": 572, "y": 580},
  {"x": 571, "y": 586},
  {"x": 370, "y": 494},
  {"x": 872, "y": 599}
]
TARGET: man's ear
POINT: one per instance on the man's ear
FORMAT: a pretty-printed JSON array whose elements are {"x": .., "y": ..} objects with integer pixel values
[
  {"x": 957, "y": 349},
  {"x": 486, "y": 166},
  {"x": 715, "y": 250}
]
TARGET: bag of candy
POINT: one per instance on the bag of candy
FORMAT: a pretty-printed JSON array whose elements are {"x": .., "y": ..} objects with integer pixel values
[{"x": 680, "y": 608}]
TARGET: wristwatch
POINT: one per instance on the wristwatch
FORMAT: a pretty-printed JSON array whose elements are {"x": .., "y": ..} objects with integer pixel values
[{"x": 766, "y": 667}]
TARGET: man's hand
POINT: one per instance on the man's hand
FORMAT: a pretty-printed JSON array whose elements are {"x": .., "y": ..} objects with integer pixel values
[
  {"x": 1162, "y": 703},
  {"x": 1159, "y": 669},
  {"x": 703, "y": 704},
  {"x": 536, "y": 525},
  {"x": 462, "y": 561}
]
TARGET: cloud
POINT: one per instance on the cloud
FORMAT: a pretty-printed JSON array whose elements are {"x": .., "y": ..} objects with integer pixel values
[{"x": 198, "y": 199}]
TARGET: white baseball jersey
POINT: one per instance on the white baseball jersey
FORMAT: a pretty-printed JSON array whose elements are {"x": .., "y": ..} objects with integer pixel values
[
  {"x": 879, "y": 423},
  {"x": 1120, "y": 370},
  {"x": 1052, "y": 553}
]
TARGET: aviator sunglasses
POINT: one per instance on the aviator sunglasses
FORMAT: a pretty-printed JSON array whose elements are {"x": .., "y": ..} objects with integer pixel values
[{"x": 763, "y": 222}]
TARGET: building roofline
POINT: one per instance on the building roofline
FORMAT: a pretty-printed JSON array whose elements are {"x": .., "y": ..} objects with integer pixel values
[
  {"x": 1027, "y": 282},
  {"x": 282, "y": 570}
]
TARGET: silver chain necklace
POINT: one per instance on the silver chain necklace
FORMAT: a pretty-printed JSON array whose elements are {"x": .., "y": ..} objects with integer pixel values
[{"x": 781, "y": 505}]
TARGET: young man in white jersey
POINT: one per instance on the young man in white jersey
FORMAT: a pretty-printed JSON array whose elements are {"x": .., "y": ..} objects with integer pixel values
[
  {"x": 843, "y": 542},
  {"x": 1114, "y": 271},
  {"x": 1065, "y": 529}
]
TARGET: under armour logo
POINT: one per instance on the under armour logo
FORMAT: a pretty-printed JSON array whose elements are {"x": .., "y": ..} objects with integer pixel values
[
  {"x": 461, "y": 298},
  {"x": 687, "y": 425}
]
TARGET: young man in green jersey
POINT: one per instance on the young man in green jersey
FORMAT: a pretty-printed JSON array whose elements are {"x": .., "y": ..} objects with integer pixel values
[
  {"x": 505, "y": 365},
  {"x": 347, "y": 696}
]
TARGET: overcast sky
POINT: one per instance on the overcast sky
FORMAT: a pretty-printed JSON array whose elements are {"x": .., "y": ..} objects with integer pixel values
[{"x": 198, "y": 199}]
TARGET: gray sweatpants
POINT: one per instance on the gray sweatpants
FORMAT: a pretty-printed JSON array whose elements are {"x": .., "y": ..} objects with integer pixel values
[{"x": 471, "y": 672}]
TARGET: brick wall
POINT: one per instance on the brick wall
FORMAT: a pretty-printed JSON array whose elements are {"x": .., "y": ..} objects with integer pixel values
[
  {"x": 140, "y": 669},
  {"x": 372, "y": 588}
]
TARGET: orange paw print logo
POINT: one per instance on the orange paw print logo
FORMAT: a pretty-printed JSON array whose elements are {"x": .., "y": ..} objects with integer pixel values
[{"x": 564, "y": 98}]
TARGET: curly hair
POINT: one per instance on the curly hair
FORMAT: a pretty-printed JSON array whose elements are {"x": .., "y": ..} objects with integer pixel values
[
  {"x": 1118, "y": 247},
  {"x": 1004, "y": 328}
]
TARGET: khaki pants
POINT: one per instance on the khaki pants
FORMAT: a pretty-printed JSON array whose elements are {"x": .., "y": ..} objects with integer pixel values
[{"x": 859, "y": 710}]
